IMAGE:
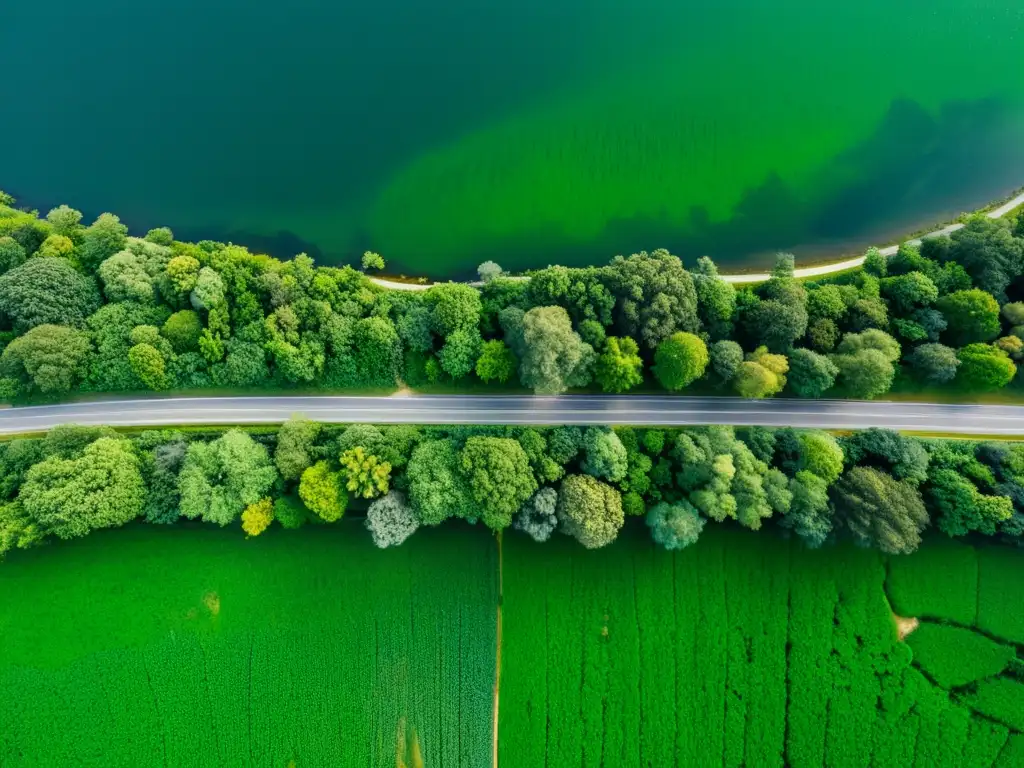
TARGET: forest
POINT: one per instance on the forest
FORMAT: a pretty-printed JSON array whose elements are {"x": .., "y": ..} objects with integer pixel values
[
  {"x": 92, "y": 309},
  {"x": 877, "y": 488}
]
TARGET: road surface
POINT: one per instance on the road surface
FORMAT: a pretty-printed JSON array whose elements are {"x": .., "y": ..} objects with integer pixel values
[
  {"x": 666, "y": 410},
  {"x": 760, "y": 277}
]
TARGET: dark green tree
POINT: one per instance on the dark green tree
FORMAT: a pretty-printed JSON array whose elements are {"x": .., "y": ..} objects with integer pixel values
[{"x": 47, "y": 291}]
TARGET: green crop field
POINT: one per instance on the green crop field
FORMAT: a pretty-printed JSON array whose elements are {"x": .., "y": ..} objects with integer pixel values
[
  {"x": 190, "y": 646},
  {"x": 194, "y": 647},
  {"x": 748, "y": 651}
]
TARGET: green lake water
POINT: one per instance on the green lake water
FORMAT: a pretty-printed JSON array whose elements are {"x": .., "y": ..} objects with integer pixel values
[{"x": 445, "y": 133}]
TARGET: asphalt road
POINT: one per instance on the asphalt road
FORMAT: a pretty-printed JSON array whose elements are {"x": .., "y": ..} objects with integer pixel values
[{"x": 664, "y": 410}]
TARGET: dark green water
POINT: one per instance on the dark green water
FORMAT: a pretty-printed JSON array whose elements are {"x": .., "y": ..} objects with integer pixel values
[{"x": 444, "y": 133}]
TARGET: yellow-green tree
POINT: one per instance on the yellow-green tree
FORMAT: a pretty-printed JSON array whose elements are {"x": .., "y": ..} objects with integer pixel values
[
  {"x": 366, "y": 475},
  {"x": 257, "y": 517}
]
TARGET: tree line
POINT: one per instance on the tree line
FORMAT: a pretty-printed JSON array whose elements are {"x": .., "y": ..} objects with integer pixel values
[
  {"x": 89, "y": 308},
  {"x": 878, "y": 488}
]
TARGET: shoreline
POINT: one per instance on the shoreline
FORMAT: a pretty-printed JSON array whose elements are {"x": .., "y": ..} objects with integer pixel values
[{"x": 753, "y": 277}]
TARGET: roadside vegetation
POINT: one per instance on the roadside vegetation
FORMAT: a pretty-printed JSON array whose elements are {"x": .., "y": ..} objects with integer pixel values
[
  {"x": 877, "y": 488},
  {"x": 91, "y": 309}
]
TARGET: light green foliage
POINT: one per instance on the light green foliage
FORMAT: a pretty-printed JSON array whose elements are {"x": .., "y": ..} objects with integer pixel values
[
  {"x": 821, "y": 455},
  {"x": 721, "y": 476},
  {"x": 984, "y": 367},
  {"x": 826, "y": 302},
  {"x": 1011, "y": 345},
  {"x": 954, "y": 656},
  {"x": 908, "y": 291},
  {"x": 183, "y": 274},
  {"x": 496, "y": 362},
  {"x": 880, "y": 511},
  {"x": 141, "y": 641},
  {"x": 372, "y": 260},
  {"x": 366, "y": 476},
  {"x": 125, "y": 278},
  {"x": 295, "y": 447},
  {"x": 160, "y": 236},
  {"x": 51, "y": 359},
  {"x": 321, "y": 491},
  {"x": 183, "y": 330},
  {"x": 552, "y": 356},
  {"x": 962, "y": 508},
  {"x": 973, "y": 316},
  {"x": 619, "y": 367},
  {"x": 589, "y": 511},
  {"x": 680, "y": 360},
  {"x": 47, "y": 291},
  {"x": 101, "y": 240},
  {"x": 499, "y": 478},
  {"x": 762, "y": 374},
  {"x": 454, "y": 306},
  {"x": 149, "y": 365},
  {"x": 56, "y": 246},
  {"x": 70, "y": 497},
  {"x": 674, "y": 526},
  {"x": 437, "y": 488},
  {"x": 810, "y": 374},
  {"x": 65, "y": 221},
  {"x": 208, "y": 291},
  {"x": 17, "y": 529},
  {"x": 866, "y": 363},
  {"x": 875, "y": 262},
  {"x": 459, "y": 354},
  {"x": 221, "y": 478},
  {"x": 391, "y": 520},
  {"x": 605, "y": 455},
  {"x": 854, "y": 343}
]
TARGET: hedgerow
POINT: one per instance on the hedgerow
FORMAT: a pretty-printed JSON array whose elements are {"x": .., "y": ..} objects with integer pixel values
[
  {"x": 934, "y": 315},
  {"x": 874, "y": 487}
]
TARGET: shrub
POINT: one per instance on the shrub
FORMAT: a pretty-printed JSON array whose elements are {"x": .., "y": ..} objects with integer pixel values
[
  {"x": 391, "y": 520},
  {"x": 674, "y": 526},
  {"x": 680, "y": 360}
]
